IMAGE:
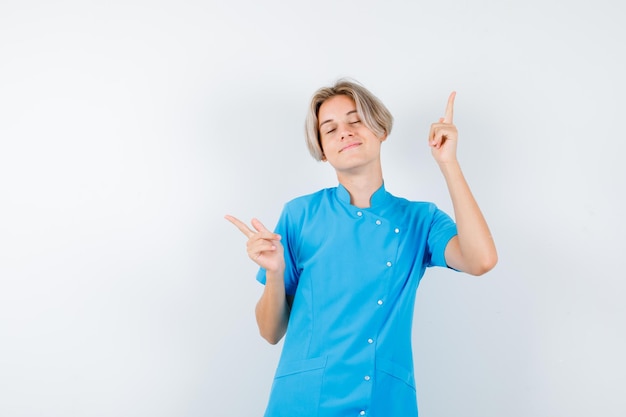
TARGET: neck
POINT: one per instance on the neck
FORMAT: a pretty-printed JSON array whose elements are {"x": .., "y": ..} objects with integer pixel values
[{"x": 361, "y": 187}]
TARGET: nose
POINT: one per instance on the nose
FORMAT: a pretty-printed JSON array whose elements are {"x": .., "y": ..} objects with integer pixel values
[{"x": 346, "y": 131}]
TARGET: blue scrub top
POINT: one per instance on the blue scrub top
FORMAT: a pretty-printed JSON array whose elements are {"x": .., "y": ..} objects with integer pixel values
[{"x": 354, "y": 273}]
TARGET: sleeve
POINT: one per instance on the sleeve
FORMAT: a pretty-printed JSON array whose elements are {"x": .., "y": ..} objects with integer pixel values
[
  {"x": 442, "y": 229},
  {"x": 285, "y": 228}
]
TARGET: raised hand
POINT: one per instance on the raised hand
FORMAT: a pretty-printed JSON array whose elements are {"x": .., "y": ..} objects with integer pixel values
[
  {"x": 443, "y": 135},
  {"x": 263, "y": 246}
]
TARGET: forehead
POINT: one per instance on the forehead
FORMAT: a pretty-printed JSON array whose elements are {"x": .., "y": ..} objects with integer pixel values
[{"x": 335, "y": 107}]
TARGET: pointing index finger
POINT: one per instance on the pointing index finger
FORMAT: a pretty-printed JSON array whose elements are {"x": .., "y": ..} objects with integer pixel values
[{"x": 450, "y": 108}]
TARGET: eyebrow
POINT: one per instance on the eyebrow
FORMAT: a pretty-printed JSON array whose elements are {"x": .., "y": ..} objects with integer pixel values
[{"x": 330, "y": 120}]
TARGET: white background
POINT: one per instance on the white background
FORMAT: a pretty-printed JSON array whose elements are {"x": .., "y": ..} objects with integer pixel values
[{"x": 129, "y": 128}]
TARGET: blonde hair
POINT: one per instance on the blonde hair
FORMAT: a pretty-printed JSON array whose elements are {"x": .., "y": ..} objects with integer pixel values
[{"x": 372, "y": 111}]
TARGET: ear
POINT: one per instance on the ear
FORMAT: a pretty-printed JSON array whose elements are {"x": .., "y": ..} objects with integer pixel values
[
  {"x": 383, "y": 137},
  {"x": 323, "y": 159}
]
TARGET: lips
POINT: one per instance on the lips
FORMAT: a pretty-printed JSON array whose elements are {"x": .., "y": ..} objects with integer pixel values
[{"x": 350, "y": 146}]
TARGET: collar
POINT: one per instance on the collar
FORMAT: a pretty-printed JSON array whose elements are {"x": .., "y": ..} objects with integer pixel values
[{"x": 378, "y": 198}]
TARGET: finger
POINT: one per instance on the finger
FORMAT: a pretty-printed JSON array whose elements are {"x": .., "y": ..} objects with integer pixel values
[
  {"x": 240, "y": 225},
  {"x": 264, "y": 233},
  {"x": 434, "y": 137},
  {"x": 439, "y": 134},
  {"x": 450, "y": 108},
  {"x": 262, "y": 229},
  {"x": 261, "y": 246},
  {"x": 256, "y": 223},
  {"x": 437, "y": 141}
]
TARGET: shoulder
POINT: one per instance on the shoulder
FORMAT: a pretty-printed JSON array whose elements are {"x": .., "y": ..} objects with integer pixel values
[
  {"x": 421, "y": 215},
  {"x": 421, "y": 207},
  {"x": 306, "y": 208},
  {"x": 311, "y": 200}
]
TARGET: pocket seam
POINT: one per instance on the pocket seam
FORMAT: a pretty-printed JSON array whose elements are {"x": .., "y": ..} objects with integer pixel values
[{"x": 301, "y": 366}]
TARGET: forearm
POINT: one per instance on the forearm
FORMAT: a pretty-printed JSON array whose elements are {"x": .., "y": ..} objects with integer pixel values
[
  {"x": 476, "y": 246},
  {"x": 272, "y": 310}
]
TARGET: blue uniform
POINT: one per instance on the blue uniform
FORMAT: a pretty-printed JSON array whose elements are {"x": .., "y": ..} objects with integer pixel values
[{"x": 354, "y": 273}]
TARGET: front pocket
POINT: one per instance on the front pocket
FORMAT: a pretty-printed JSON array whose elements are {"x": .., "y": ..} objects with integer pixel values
[
  {"x": 397, "y": 371},
  {"x": 296, "y": 389},
  {"x": 295, "y": 367},
  {"x": 395, "y": 390}
]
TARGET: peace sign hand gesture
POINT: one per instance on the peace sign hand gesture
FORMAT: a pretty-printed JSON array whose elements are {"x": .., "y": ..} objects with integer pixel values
[
  {"x": 443, "y": 135},
  {"x": 263, "y": 246}
]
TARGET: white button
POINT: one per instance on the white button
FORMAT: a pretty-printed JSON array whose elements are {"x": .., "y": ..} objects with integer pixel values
[
  {"x": 370, "y": 341},
  {"x": 362, "y": 413},
  {"x": 380, "y": 302},
  {"x": 359, "y": 213},
  {"x": 367, "y": 377},
  {"x": 388, "y": 263},
  {"x": 397, "y": 230},
  {"x": 378, "y": 222}
]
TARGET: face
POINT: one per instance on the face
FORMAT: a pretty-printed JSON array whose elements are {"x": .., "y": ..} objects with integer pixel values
[{"x": 347, "y": 143}]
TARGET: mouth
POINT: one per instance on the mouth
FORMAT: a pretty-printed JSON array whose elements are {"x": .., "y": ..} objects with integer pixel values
[{"x": 350, "y": 146}]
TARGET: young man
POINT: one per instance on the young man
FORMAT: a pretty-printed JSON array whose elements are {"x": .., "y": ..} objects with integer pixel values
[{"x": 342, "y": 268}]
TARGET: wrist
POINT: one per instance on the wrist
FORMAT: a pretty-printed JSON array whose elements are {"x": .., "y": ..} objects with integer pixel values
[
  {"x": 446, "y": 166},
  {"x": 275, "y": 275}
]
